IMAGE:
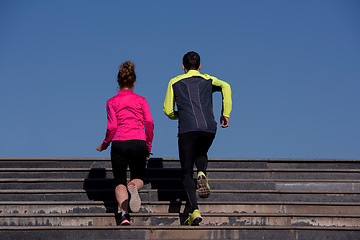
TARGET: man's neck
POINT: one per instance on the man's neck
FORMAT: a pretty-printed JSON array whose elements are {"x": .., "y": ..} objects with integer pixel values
[{"x": 186, "y": 71}]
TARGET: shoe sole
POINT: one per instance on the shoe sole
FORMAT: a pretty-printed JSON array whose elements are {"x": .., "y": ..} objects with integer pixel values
[
  {"x": 204, "y": 190},
  {"x": 196, "y": 221},
  {"x": 125, "y": 223},
  {"x": 135, "y": 201}
]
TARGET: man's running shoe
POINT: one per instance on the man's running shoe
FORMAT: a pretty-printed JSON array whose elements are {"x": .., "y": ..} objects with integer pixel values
[
  {"x": 135, "y": 201},
  {"x": 204, "y": 188},
  {"x": 194, "y": 219},
  {"x": 125, "y": 220}
]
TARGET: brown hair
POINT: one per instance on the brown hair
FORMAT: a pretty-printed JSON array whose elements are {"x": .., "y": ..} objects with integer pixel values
[{"x": 126, "y": 76}]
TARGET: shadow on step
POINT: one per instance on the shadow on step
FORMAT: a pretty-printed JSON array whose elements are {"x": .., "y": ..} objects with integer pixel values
[
  {"x": 97, "y": 188},
  {"x": 167, "y": 181}
]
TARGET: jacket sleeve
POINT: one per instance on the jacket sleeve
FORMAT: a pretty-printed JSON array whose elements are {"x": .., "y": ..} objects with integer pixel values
[
  {"x": 111, "y": 127},
  {"x": 226, "y": 95},
  {"x": 169, "y": 103},
  {"x": 148, "y": 125}
]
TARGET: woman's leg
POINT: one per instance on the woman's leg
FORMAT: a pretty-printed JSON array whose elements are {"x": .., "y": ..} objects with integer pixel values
[
  {"x": 138, "y": 183},
  {"x": 137, "y": 163},
  {"x": 119, "y": 167},
  {"x": 122, "y": 198}
]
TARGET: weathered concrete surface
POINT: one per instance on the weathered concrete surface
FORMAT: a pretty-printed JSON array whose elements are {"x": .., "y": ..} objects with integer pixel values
[
  {"x": 250, "y": 199},
  {"x": 171, "y": 219},
  {"x": 55, "y": 207},
  {"x": 162, "y": 233}
]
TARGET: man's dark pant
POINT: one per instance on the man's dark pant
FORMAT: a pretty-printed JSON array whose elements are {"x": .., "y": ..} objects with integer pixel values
[{"x": 193, "y": 148}]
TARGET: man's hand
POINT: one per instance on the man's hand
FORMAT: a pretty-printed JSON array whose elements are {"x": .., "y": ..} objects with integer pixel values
[
  {"x": 224, "y": 121},
  {"x": 99, "y": 148}
]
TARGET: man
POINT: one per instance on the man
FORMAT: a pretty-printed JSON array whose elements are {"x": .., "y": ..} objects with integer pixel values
[{"x": 192, "y": 93}]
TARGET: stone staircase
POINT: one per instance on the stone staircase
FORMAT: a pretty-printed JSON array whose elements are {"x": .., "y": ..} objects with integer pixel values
[{"x": 250, "y": 199}]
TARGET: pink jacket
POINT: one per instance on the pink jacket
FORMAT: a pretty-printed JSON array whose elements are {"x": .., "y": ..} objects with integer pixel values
[{"x": 129, "y": 118}]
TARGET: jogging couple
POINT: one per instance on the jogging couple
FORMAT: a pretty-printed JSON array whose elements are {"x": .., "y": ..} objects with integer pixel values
[{"x": 130, "y": 129}]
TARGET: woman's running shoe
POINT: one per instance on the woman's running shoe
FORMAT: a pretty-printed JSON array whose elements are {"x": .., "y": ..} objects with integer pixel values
[
  {"x": 135, "y": 201},
  {"x": 125, "y": 220}
]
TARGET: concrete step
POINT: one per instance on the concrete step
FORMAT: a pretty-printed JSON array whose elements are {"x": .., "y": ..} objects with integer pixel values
[
  {"x": 174, "y": 194},
  {"x": 166, "y": 183},
  {"x": 181, "y": 232},
  {"x": 228, "y": 173},
  {"x": 174, "y": 163},
  {"x": 55, "y": 163},
  {"x": 33, "y": 207},
  {"x": 260, "y": 198},
  {"x": 51, "y": 207},
  {"x": 175, "y": 219}
]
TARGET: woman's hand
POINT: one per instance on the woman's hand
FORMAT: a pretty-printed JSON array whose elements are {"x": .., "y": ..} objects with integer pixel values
[
  {"x": 99, "y": 148},
  {"x": 148, "y": 155}
]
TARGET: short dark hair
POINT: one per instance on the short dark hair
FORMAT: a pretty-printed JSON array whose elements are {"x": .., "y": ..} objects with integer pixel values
[{"x": 191, "y": 61}]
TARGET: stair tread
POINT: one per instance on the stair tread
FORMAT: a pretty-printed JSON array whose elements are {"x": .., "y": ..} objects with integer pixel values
[
  {"x": 59, "y": 169},
  {"x": 41, "y": 191},
  {"x": 167, "y": 203},
  {"x": 213, "y": 214},
  {"x": 292, "y": 160},
  {"x": 178, "y": 179},
  {"x": 180, "y": 227}
]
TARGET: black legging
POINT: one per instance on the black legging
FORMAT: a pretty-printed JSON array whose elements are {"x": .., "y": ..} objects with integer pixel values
[
  {"x": 130, "y": 153},
  {"x": 193, "y": 148}
]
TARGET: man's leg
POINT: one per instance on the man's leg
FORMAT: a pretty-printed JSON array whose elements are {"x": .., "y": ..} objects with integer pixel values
[
  {"x": 187, "y": 154},
  {"x": 204, "y": 143},
  {"x": 205, "y": 140}
]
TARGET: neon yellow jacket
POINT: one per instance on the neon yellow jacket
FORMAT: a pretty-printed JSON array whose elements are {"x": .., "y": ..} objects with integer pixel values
[{"x": 192, "y": 93}]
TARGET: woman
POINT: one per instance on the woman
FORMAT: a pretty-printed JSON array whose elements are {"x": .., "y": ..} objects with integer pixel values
[{"x": 130, "y": 129}]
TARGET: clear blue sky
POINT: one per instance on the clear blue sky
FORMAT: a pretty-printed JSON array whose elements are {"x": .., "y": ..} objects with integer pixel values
[{"x": 294, "y": 69}]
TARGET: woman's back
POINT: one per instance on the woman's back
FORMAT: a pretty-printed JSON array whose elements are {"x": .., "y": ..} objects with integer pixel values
[{"x": 130, "y": 111}]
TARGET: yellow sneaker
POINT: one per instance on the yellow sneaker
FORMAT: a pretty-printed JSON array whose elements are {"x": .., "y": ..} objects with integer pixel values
[
  {"x": 204, "y": 188},
  {"x": 194, "y": 218}
]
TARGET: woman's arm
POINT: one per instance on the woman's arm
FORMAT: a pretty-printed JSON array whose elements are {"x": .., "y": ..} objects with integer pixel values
[
  {"x": 148, "y": 125},
  {"x": 111, "y": 127}
]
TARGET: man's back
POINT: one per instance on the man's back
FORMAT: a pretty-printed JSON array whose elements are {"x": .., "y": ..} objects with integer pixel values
[
  {"x": 193, "y": 97},
  {"x": 192, "y": 93}
]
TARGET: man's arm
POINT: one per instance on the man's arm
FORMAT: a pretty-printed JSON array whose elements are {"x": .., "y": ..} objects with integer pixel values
[
  {"x": 169, "y": 103},
  {"x": 226, "y": 95}
]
